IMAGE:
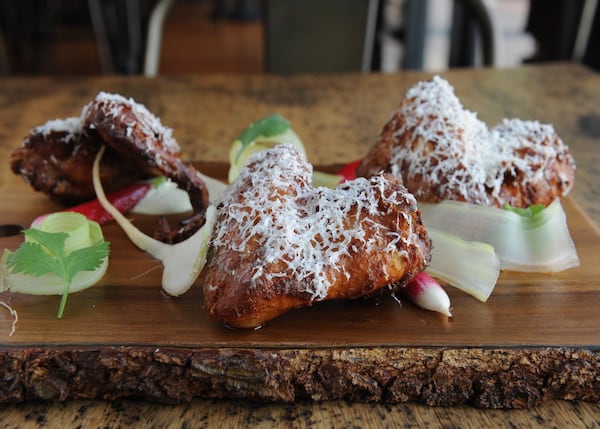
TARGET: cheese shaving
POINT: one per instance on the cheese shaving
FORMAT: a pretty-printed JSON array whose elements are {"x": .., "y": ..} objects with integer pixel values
[
  {"x": 141, "y": 121},
  {"x": 441, "y": 142},
  {"x": 115, "y": 107},
  {"x": 308, "y": 232},
  {"x": 71, "y": 127}
]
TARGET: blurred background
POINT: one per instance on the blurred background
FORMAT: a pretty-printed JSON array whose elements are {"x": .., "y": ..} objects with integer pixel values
[{"x": 150, "y": 37}]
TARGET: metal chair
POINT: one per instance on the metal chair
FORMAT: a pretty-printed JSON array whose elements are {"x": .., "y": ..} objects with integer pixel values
[
  {"x": 319, "y": 35},
  {"x": 471, "y": 19},
  {"x": 335, "y": 36},
  {"x": 328, "y": 35},
  {"x": 154, "y": 36}
]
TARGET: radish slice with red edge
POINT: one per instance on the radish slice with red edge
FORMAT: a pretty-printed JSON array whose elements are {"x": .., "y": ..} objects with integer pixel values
[{"x": 124, "y": 200}]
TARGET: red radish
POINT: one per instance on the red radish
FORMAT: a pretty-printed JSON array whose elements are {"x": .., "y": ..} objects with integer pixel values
[
  {"x": 124, "y": 200},
  {"x": 348, "y": 171},
  {"x": 427, "y": 293}
]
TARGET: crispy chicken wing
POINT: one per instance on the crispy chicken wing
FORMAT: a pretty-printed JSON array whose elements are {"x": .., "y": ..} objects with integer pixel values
[
  {"x": 442, "y": 151},
  {"x": 56, "y": 158},
  {"x": 280, "y": 243},
  {"x": 138, "y": 136}
]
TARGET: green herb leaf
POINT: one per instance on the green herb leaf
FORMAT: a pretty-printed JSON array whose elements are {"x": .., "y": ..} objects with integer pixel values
[
  {"x": 529, "y": 212},
  {"x": 31, "y": 258},
  {"x": 86, "y": 259},
  {"x": 54, "y": 242},
  {"x": 268, "y": 126},
  {"x": 157, "y": 181},
  {"x": 44, "y": 252},
  {"x": 40, "y": 253}
]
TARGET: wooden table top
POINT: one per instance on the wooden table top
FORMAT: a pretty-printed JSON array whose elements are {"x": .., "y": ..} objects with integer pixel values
[{"x": 338, "y": 118}]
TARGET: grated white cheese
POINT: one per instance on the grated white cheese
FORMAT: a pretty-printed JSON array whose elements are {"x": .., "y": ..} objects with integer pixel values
[
  {"x": 72, "y": 127},
  {"x": 444, "y": 144},
  {"x": 273, "y": 209},
  {"x": 142, "y": 122}
]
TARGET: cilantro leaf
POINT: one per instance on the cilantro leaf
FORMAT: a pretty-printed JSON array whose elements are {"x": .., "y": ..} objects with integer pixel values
[
  {"x": 86, "y": 259},
  {"x": 44, "y": 252},
  {"x": 30, "y": 258},
  {"x": 54, "y": 242}
]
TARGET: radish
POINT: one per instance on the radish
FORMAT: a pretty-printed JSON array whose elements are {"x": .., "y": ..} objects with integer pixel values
[{"x": 426, "y": 292}]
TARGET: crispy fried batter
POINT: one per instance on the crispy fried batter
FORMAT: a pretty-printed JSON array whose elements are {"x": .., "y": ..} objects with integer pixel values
[
  {"x": 442, "y": 151},
  {"x": 56, "y": 158},
  {"x": 137, "y": 135},
  {"x": 280, "y": 243}
]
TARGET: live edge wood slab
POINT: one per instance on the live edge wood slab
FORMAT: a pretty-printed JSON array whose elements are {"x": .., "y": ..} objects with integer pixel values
[{"x": 535, "y": 339}]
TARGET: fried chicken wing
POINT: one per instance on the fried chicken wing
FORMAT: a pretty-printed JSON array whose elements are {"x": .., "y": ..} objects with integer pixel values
[
  {"x": 442, "y": 151},
  {"x": 56, "y": 158},
  {"x": 138, "y": 136},
  {"x": 280, "y": 243}
]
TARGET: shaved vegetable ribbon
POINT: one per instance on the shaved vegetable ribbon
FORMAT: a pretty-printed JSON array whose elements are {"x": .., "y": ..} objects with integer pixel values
[
  {"x": 182, "y": 262},
  {"x": 472, "y": 243},
  {"x": 536, "y": 241},
  {"x": 264, "y": 134},
  {"x": 258, "y": 136},
  {"x": 263, "y": 129},
  {"x": 471, "y": 266},
  {"x": 64, "y": 253},
  {"x": 170, "y": 199}
]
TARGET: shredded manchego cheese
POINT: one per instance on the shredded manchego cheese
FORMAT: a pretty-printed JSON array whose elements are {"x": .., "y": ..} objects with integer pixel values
[{"x": 304, "y": 227}]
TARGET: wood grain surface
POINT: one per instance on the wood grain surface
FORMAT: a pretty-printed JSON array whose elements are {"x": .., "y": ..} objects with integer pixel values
[
  {"x": 338, "y": 117},
  {"x": 525, "y": 309}
]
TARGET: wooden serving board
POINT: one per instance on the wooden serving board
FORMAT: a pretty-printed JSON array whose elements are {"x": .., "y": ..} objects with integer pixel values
[{"x": 537, "y": 337}]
